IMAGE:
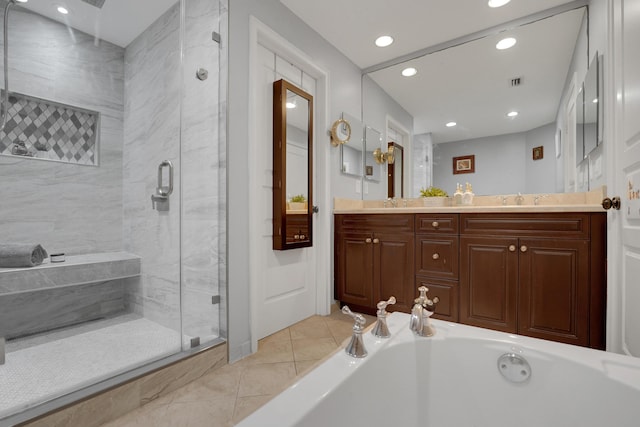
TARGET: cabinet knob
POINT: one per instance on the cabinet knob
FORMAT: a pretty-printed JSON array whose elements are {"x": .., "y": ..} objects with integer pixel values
[
  {"x": 523, "y": 248},
  {"x": 367, "y": 240},
  {"x": 435, "y": 256},
  {"x": 376, "y": 240},
  {"x": 512, "y": 248},
  {"x": 435, "y": 224}
]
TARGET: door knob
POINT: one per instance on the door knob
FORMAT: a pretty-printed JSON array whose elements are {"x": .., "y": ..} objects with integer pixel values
[
  {"x": 435, "y": 224},
  {"x": 512, "y": 248},
  {"x": 367, "y": 240},
  {"x": 376, "y": 240},
  {"x": 614, "y": 203},
  {"x": 523, "y": 248},
  {"x": 435, "y": 256}
]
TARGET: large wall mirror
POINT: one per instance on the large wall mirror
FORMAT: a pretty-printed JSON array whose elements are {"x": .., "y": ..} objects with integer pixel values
[
  {"x": 292, "y": 166},
  {"x": 476, "y": 85}
]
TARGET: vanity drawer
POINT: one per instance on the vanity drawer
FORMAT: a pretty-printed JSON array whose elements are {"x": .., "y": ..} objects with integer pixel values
[
  {"x": 437, "y": 256},
  {"x": 556, "y": 225},
  {"x": 447, "y": 293},
  {"x": 439, "y": 223},
  {"x": 374, "y": 222}
]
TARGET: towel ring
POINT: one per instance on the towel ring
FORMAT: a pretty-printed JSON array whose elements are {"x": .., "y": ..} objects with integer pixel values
[{"x": 335, "y": 139}]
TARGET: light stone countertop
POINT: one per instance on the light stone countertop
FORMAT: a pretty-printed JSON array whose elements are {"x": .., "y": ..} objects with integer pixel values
[{"x": 558, "y": 202}]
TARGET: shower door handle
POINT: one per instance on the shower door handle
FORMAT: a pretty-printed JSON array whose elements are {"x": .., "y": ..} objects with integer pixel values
[
  {"x": 160, "y": 200},
  {"x": 161, "y": 189}
]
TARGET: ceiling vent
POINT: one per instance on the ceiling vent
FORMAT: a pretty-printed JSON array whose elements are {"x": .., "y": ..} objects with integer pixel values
[
  {"x": 516, "y": 81},
  {"x": 96, "y": 3}
]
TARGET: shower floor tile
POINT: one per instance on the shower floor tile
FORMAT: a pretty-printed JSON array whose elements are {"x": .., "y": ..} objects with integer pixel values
[{"x": 42, "y": 367}]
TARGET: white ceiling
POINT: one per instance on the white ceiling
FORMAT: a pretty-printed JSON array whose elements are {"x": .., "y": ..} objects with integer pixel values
[
  {"x": 468, "y": 83},
  {"x": 118, "y": 21}
]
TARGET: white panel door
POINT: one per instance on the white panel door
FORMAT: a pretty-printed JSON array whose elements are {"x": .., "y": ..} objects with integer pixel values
[
  {"x": 286, "y": 280},
  {"x": 627, "y": 172}
]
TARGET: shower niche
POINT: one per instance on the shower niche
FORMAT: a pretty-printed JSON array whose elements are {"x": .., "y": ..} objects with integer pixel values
[{"x": 46, "y": 130}]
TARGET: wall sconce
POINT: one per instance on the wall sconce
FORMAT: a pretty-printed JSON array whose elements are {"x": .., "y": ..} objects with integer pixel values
[
  {"x": 340, "y": 132},
  {"x": 381, "y": 157}
]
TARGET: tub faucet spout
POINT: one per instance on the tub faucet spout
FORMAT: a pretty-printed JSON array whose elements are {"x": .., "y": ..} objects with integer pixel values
[
  {"x": 355, "y": 348},
  {"x": 422, "y": 310}
]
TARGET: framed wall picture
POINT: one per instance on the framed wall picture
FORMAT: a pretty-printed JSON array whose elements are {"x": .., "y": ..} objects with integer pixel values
[
  {"x": 464, "y": 164},
  {"x": 538, "y": 152}
]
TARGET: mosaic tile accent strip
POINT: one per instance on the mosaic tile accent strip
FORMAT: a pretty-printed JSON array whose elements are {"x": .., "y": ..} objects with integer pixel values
[{"x": 48, "y": 130}]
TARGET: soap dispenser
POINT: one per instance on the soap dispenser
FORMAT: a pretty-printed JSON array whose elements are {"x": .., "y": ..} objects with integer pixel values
[
  {"x": 467, "y": 197},
  {"x": 457, "y": 196}
]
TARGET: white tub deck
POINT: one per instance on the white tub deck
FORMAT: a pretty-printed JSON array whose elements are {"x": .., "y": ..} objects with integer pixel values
[{"x": 453, "y": 380}]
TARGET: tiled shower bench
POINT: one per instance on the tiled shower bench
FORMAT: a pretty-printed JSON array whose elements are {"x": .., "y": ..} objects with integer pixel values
[{"x": 54, "y": 295}]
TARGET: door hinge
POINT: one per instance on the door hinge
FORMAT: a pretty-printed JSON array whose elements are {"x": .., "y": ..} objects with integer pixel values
[{"x": 215, "y": 36}]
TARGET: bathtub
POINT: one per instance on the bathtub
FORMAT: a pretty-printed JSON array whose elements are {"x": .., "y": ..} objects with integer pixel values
[{"x": 454, "y": 379}]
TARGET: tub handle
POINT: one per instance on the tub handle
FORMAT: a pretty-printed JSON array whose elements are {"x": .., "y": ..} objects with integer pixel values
[
  {"x": 355, "y": 348},
  {"x": 381, "y": 330}
]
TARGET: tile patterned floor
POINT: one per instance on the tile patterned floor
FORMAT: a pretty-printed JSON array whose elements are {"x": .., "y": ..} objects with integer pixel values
[{"x": 229, "y": 394}]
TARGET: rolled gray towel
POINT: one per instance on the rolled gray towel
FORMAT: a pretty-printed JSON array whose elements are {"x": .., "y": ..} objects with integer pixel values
[{"x": 21, "y": 255}]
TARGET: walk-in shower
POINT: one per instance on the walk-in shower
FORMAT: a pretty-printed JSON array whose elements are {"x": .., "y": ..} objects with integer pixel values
[
  {"x": 5, "y": 66},
  {"x": 102, "y": 99}
]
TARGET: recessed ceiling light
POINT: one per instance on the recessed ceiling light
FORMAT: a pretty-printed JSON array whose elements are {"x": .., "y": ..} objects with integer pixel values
[
  {"x": 22, "y": 1},
  {"x": 451, "y": 124},
  {"x": 408, "y": 72},
  {"x": 63, "y": 10},
  {"x": 506, "y": 43},
  {"x": 384, "y": 41},
  {"x": 512, "y": 113},
  {"x": 595, "y": 100},
  {"x": 291, "y": 104},
  {"x": 497, "y": 3}
]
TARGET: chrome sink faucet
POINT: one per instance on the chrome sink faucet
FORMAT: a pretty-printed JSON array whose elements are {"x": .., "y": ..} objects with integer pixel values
[
  {"x": 422, "y": 310},
  {"x": 381, "y": 330},
  {"x": 519, "y": 199},
  {"x": 393, "y": 202},
  {"x": 536, "y": 199},
  {"x": 355, "y": 348}
]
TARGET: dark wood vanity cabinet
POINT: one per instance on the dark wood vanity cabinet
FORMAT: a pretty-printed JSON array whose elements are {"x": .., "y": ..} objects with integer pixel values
[
  {"x": 374, "y": 260},
  {"x": 437, "y": 255},
  {"x": 540, "y": 275},
  {"x": 535, "y": 274}
]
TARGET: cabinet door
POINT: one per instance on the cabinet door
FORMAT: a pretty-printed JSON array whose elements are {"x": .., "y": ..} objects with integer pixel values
[
  {"x": 393, "y": 269},
  {"x": 488, "y": 282},
  {"x": 554, "y": 290},
  {"x": 354, "y": 265}
]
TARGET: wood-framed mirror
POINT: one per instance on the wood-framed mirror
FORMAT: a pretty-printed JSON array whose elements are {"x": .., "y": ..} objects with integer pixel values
[{"x": 292, "y": 166}]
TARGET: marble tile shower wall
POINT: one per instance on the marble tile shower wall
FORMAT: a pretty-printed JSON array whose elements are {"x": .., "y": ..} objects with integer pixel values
[
  {"x": 151, "y": 132},
  {"x": 151, "y": 135},
  {"x": 38, "y": 198}
]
